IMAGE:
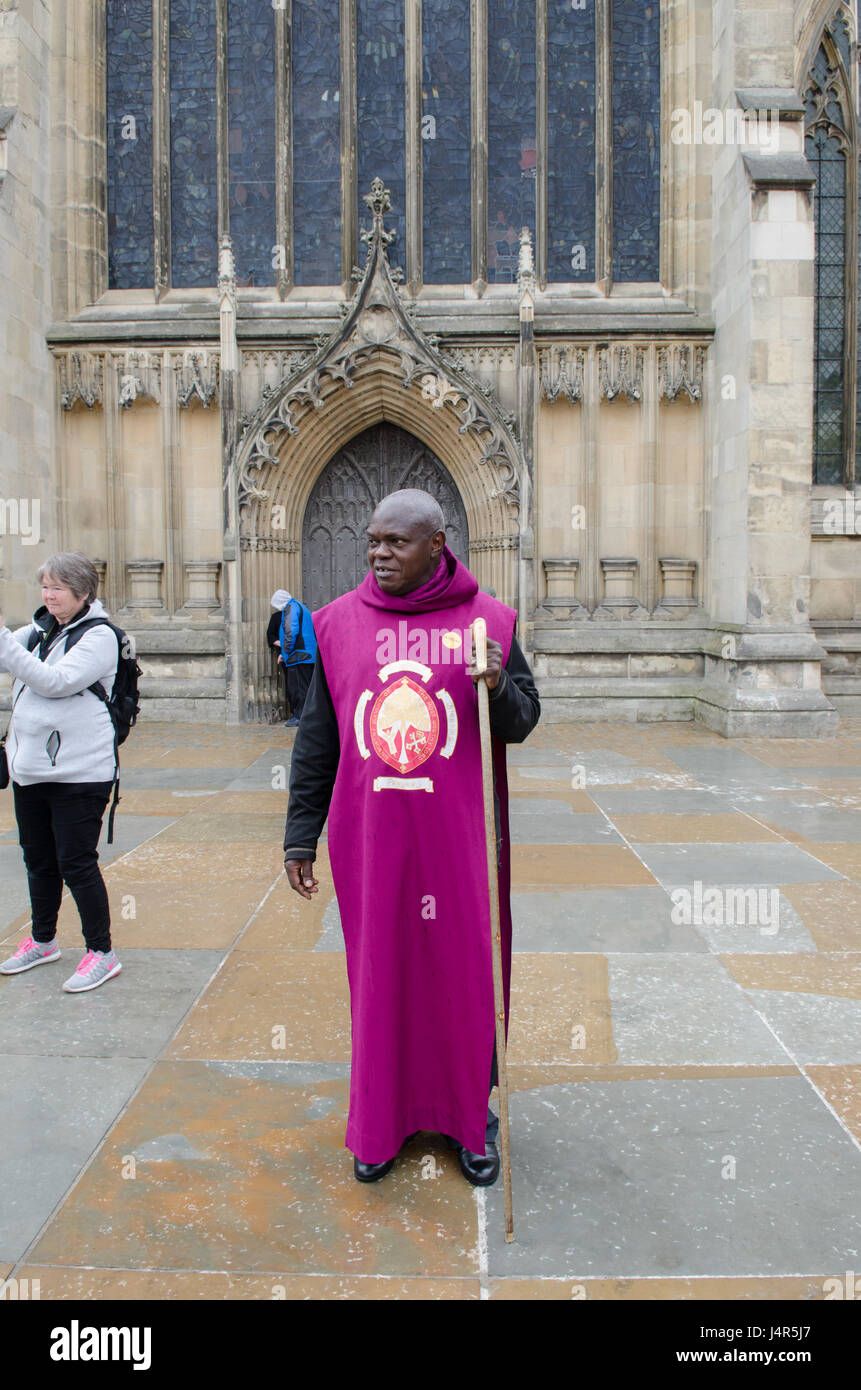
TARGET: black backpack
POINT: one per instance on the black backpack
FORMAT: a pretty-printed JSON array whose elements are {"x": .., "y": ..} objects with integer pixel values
[{"x": 123, "y": 703}]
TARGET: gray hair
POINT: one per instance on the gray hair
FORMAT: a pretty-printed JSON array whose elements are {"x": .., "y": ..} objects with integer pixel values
[{"x": 74, "y": 571}]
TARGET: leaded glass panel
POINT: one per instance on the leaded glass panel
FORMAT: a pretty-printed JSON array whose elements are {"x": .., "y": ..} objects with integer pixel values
[
  {"x": 251, "y": 137},
  {"x": 193, "y": 197},
  {"x": 636, "y": 140},
  {"x": 829, "y": 211},
  {"x": 129, "y": 144},
  {"x": 380, "y": 84},
  {"x": 511, "y": 139},
  {"x": 570, "y": 141},
  {"x": 316, "y": 143},
  {"x": 446, "y": 141}
]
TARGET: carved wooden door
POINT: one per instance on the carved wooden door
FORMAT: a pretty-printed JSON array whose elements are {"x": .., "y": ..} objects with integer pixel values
[{"x": 375, "y": 463}]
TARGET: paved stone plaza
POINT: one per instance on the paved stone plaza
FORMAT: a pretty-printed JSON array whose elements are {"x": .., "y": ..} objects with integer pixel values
[{"x": 686, "y": 1091}]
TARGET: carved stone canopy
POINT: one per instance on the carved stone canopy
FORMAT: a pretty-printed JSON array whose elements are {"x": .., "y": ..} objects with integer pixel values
[{"x": 378, "y": 325}]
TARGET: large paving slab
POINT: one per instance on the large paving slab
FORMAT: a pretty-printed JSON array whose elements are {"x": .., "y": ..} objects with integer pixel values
[
  {"x": 599, "y": 919},
  {"x": 250, "y": 1173},
  {"x": 634, "y": 1178},
  {"x": 672, "y": 1009},
  {"x": 54, "y": 1111},
  {"x": 676, "y": 865}
]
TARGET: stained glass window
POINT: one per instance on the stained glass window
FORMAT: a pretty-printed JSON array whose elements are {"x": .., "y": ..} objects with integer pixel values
[
  {"x": 129, "y": 144},
  {"x": 380, "y": 84},
  {"x": 251, "y": 137},
  {"x": 443, "y": 68},
  {"x": 636, "y": 140},
  {"x": 193, "y": 199},
  {"x": 447, "y": 239},
  {"x": 511, "y": 138},
  {"x": 316, "y": 143},
  {"x": 570, "y": 141}
]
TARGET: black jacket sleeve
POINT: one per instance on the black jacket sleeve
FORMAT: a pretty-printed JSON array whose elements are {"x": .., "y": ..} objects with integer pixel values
[
  {"x": 313, "y": 769},
  {"x": 273, "y": 631},
  {"x": 514, "y": 704},
  {"x": 514, "y": 711}
]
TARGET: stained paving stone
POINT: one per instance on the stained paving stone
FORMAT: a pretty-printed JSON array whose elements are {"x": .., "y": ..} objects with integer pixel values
[
  {"x": 831, "y": 913},
  {"x": 842, "y": 858},
  {"x": 676, "y": 1009},
  {"x": 837, "y": 974},
  {"x": 560, "y": 1010},
  {"x": 626, "y": 1179},
  {"x": 259, "y": 802},
  {"x": 841, "y": 1087},
  {"x": 257, "y": 994},
  {"x": 775, "y": 1289},
  {"x": 116, "y": 1020},
  {"x": 690, "y": 828},
  {"x": 548, "y": 790},
  {"x": 742, "y": 865},
  {"x": 275, "y": 1190},
  {"x": 287, "y": 922},
  {"x": 168, "y": 804},
  {"x": 557, "y": 866},
  {"x": 599, "y": 919},
  {"x": 803, "y": 752},
  {"x": 54, "y": 1110},
  {"x": 147, "y": 1286},
  {"x": 189, "y": 862},
  {"x": 166, "y": 916},
  {"x": 218, "y": 828}
]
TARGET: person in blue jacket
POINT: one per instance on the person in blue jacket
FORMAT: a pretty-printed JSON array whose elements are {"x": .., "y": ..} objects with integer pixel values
[{"x": 291, "y": 633}]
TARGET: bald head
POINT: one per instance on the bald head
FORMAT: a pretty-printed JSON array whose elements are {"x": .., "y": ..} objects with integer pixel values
[
  {"x": 415, "y": 508},
  {"x": 406, "y": 535}
]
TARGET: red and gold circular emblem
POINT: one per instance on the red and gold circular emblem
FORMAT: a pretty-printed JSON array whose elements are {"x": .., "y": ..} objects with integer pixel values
[{"x": 404, "y": 725}]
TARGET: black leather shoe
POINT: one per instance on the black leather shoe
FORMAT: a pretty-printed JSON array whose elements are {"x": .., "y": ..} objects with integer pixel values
[
  {"x": 372, "y": 1172},
  {"x": 481, "y": 1171}
]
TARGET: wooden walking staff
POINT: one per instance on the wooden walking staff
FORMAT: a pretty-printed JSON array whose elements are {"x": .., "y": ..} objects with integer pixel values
[{"x": 479, "y": 636}]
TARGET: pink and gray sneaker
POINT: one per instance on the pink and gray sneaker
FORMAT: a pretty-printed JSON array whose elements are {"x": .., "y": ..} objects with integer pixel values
[
  {"x": 94, "y": 969},
  {"x": 30, "y": 953}
]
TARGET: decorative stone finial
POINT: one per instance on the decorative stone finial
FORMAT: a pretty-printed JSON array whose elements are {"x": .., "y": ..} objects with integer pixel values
[{"x": 379, "y": 202}]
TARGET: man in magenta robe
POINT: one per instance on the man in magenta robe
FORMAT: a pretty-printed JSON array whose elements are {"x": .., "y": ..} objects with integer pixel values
[{"x": 388, "y": 746}]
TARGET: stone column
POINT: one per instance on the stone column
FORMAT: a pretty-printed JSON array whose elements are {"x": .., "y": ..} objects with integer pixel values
[{"x": 762, "y": 668}]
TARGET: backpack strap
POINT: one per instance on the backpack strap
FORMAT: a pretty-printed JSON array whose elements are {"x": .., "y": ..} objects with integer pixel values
[{"x": 98, "y": 690}]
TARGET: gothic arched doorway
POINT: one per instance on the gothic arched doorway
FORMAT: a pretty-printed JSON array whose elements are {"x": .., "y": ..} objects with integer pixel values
[{"x": 373, "y": 464}]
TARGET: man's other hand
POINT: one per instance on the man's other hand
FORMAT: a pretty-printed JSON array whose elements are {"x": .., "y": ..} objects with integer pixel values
[
  {"x": 300, "y": 875},
  {"x": 494, "y": 664}
]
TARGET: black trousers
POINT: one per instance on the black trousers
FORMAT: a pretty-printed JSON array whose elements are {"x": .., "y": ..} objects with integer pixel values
[
  {"x": 59, "y": 824},
  {"x": 298, "y": 679}
]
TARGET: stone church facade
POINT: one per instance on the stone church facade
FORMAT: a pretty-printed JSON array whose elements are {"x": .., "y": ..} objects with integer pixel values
[{"x": 588, "y": 271}]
